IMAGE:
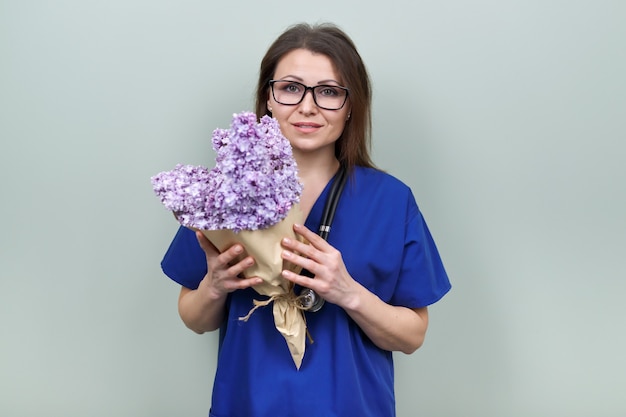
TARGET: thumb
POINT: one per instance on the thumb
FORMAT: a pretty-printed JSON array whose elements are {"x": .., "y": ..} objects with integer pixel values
[{"x": 209, "y": 249}]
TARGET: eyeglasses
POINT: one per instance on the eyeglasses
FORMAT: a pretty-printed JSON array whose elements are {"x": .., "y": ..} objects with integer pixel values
[{"x": 290, "y": 93}]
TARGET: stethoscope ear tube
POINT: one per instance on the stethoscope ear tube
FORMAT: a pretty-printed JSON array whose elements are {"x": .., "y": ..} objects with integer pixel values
[
  {"x": 309, "y": 299},
  {"x": 331, "y": 203}
]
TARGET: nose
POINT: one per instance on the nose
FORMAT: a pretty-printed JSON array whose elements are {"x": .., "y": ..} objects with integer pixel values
[{"x": 307, "y": 105}]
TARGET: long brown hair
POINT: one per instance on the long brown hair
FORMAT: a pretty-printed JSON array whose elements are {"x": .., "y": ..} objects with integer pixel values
[{"x": 353, "y": 146}]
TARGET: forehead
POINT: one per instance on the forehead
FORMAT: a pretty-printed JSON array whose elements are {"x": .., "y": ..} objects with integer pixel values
[{"x": 310, "y": 67}]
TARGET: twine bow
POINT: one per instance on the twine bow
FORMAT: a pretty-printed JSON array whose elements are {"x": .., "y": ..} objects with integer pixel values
[{"x": 290, "y": 298}]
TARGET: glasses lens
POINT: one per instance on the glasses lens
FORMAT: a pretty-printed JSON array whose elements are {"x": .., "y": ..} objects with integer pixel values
[
  {"x": 328, "y": 97},
  {"x": 288, "y": 92}
]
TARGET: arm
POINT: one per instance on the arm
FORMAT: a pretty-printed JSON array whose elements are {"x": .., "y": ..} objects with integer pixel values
[
  {"x": 203, "y": 309},
  {"x": 390, "y": 327}
]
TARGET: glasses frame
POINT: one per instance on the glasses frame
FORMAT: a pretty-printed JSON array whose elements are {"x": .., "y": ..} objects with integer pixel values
[{"x": 312, "y": 89}]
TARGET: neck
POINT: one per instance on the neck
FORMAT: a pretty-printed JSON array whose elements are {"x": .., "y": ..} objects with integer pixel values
[
  {"x": 314, "y": 174},
  {"x": 317, "y": 168}
]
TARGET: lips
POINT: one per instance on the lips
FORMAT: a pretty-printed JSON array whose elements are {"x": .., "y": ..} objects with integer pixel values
[{"x": 307, "y": 125}]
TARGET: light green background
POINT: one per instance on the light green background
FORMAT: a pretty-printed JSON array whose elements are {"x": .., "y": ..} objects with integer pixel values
[{"x": 507, "y": 119}]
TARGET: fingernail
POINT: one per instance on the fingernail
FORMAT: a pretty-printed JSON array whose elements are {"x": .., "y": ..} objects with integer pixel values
[
  {"x": 286, "y": 240},
  {"x": 238, "y": 249},
  {"x": 286, "y": 254}
]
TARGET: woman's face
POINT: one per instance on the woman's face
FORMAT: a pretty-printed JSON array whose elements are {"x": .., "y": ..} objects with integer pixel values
[{"x": 309, "y": 128}]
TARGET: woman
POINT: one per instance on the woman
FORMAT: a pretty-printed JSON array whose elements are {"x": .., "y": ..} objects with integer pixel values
[{"x": 378, "y": 271}]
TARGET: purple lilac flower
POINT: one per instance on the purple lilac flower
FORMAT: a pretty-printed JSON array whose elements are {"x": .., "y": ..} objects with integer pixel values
[{"x": 252, "y": 186}]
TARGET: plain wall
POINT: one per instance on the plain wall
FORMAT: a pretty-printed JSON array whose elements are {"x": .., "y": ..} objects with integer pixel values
[{"x": 507, "y": 119}]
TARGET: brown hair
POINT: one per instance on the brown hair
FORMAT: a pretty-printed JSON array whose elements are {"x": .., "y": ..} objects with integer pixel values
[{"x": 353, "y": 146}]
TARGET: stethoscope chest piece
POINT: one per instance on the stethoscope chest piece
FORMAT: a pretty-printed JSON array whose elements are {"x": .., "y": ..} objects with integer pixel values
[{"x": 310, "y": 301}]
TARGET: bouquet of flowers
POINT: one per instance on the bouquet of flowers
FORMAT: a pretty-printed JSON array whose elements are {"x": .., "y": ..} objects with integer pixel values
[{"x": 250, "y": 197}]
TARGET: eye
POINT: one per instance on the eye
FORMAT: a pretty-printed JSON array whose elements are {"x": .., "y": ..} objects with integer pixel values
[
  {"x": 291, "y": 87},
  {"x": 329, "y": 91}
]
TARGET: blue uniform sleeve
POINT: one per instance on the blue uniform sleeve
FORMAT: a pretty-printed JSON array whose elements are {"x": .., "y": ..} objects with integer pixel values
[
  {"x": 185, "y": 261},
  {"x": 423, "y": 279}
]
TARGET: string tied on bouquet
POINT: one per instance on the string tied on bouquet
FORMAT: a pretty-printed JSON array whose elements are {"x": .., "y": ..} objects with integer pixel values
[{"x": 290, "y": 298}]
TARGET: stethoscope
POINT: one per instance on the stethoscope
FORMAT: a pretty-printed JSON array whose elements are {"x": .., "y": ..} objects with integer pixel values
[{"x": 309, "y": 299}]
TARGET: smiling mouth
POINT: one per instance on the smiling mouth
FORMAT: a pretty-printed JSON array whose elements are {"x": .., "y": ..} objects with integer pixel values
[{"x": 306, "y": 125}]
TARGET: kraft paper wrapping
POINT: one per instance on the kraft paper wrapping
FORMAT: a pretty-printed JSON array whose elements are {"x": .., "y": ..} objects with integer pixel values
[{"x": 265, "y": 247}]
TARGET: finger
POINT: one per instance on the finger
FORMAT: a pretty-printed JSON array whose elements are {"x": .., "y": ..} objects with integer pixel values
[
  {"x": 305, "y": 262},
  {"x": 304, "y": 249},
  {"x": 241, "y": 266},
  {"x": 240, "y": 284},
  {"x": 231, "y": 254},
  {"x": 308, "y": 239},
  {"x": 315, "y": 285},
  {"x": 313, "y": 238},
  {"x": 206, "y": 244}
]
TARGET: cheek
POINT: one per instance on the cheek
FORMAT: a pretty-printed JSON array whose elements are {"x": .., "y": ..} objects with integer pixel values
[
  {"x": 282, "y": 117},
  {"x": 339, "y": 123}
]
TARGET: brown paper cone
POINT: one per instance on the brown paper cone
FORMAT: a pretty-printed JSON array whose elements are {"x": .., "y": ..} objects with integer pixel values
[{"x": 265, "y": 247}]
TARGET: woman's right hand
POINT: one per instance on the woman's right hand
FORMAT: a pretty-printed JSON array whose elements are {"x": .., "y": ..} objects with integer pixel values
[
  {"x": 203, "y": 309},
  {"x": 224, "y": 275}
]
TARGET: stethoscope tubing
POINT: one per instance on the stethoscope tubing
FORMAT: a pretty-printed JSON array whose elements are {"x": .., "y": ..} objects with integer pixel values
[
  {"x": 328, "y": 214},
  {"x": 331, "y": 204}
]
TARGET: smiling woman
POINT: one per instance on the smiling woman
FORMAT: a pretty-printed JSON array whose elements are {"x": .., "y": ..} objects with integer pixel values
[
  {"x": 312, "y": 129},
  {"x": 377, "y": 271}
]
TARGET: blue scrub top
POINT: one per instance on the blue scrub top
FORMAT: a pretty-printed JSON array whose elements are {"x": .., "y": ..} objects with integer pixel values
[{"x": 387, "y": 247}]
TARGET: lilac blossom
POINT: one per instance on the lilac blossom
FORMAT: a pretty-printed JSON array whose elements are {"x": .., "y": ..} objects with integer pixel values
[{"x": 252, "y": 186}]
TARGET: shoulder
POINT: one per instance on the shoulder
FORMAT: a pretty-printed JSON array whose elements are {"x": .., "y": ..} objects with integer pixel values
[
  {"x": 379, "y": 185},
  {"x": 185, "y": 261},
  {"x": 372, "y": 177}
]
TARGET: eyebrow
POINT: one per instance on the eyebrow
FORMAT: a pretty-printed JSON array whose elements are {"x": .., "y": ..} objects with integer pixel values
[{"x": 300, "y": 80}]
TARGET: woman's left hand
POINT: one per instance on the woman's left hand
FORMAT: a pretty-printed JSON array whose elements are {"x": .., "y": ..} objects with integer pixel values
[
  {"x": 389, "y": 327},
  {"x": 332, "y": 280}
]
